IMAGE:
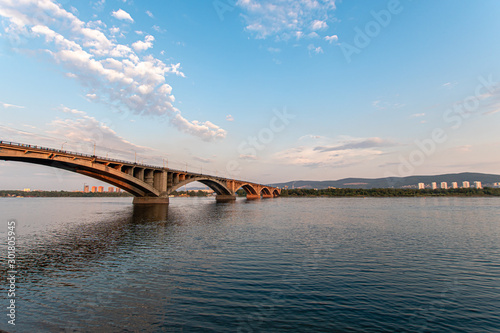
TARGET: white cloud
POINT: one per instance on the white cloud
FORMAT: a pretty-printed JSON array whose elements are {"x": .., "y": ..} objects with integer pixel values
[
  {"x": 312, "y": 35},
  {"x": 229, "y": 118},
  {"x": 114, "y": 31},
  {"x": 149, "y": 14},
  {"x": 202, "y": 160},
  {"x": 449, "y": 85},
  {"x": 364, "y": 143},
  {"x": 315, "y": 49},
  {"x": 99, "y": 5},
  {"x": 463, "y": 149},
  {"x": 80, "y": 133},
  {"x": 144, "y": 45},
  {"x": 332, "y": 38},
  {"x": 416, "y": 115},
  {"x": 98, "y": 24},
  {"x": 491, "y": 112},
  {"x": 205, "y": 130},
  {"x": 7, "y": 106},
  {"x": 311, "y": 136},
  {"x": 317, "y": 151},
  {"x": 285, "y": 19},
  {"x": 175, "y": 69},
  {"x": 383, "y": 105},
  {"x": 120, "y": 14},
  {"x": 318, "y": 25},
  {"x": 65, "y": 109},
  {"x": 23, "y": 136},
  {"x": 115, "y": 74},
  {"x": 158, "y": 29},
  {"x": 83, "y": 132},
  {"x": 247, "y": 157}
]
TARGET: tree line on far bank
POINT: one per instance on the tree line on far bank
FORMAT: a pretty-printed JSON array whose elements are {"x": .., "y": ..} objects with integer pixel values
[
  {"x": 59, "y": 194},
  {"x": 389, "y": 192}
]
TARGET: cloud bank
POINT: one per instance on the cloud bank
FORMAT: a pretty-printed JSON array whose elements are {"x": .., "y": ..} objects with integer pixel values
[
  {"x": 317, "y": 151},
  {"x": 113, "y": 73},
  {"x": 285, "y": 19}
]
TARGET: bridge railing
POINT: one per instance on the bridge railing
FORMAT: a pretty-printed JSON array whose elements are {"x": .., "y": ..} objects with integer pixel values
[
  {"x": 17, "y": 144},
  {"x": 74, "y": 153}
]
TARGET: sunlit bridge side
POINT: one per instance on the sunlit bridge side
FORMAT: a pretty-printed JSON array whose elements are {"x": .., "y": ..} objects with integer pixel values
[{"x": 147, "y": 183}]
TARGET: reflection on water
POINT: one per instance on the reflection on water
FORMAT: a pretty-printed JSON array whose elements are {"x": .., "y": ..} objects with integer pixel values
[
  {"x": 103, "y": 265},
  {"x": 73, "y": 246},
  {"x": 149, "y": 213}
]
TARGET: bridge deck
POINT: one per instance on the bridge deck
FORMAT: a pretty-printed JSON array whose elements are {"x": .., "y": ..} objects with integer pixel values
[{"x": 148, "y": 183}]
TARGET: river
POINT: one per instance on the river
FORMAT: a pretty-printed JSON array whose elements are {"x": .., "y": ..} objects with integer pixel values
[{"x": 274, "y": 265}]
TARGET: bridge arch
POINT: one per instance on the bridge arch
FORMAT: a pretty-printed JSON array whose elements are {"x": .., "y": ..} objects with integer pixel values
[
  {"x": 248, "y": 188},
  {"x": 111, "y": 176},
  {"x": 265, "y": 191},
  {"x": 276, "y": 193},
  {"x": 214, "y": 184}
]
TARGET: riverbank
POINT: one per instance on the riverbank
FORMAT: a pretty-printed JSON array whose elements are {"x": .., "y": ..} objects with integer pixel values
[
  {"x": 391, "y": 192},
  {"x": 60, "y": 194}
]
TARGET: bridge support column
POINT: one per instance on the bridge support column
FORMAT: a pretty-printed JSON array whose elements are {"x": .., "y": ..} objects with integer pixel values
[
  {"x": 150, "y": 201},
  {"x": 253, "y": 196},
  {"x": 225, "y": 198},
  {"x": 267, "y": 196}
]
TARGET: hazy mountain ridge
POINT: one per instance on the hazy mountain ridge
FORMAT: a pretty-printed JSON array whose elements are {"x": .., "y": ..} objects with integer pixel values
[{"x": 396, "y": 182}]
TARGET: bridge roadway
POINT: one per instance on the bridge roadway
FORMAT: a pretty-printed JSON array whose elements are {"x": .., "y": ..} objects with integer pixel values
[{"x": 147, "y": 183}]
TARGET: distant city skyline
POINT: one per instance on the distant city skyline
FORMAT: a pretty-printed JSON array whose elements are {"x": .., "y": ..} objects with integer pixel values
[{"x": 268, "y": 91}]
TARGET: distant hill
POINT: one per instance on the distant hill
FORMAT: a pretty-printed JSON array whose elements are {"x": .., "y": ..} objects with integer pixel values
[{"x": 395, "y": 182}]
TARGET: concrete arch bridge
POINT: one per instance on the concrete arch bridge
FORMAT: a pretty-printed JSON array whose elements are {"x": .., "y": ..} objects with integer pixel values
[{"x": 148, "y": 184}]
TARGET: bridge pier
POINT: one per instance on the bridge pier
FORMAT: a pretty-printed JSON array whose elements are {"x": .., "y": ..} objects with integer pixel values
[
  {"x": 225, "y": 198},
  {"x": 267, "y": 196},
  {"x": 150, "y": 201},
  {"x": 253, "y": 196}
]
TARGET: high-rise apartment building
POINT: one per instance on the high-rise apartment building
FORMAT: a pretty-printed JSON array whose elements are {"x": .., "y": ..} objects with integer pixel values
[
  {"x": 465, "y": 185},
  {"x": 421, "y": 186},
  {"x": 444, "y": 185},
  {"x": 433, "y": 185},
  {"x": 111, "y": 189},
  {"x": 478, "y": 184},
  {"x": 94, "y": 189},
  {"x": 100, "y": 189},
  {"x": 454, "y": 185}
]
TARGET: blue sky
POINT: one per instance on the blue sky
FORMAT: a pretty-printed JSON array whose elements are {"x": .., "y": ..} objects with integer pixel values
[{"x": 267, "y": 91}]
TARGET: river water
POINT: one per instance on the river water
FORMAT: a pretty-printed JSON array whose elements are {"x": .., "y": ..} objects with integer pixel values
[{"x": 275, "y": 265}]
